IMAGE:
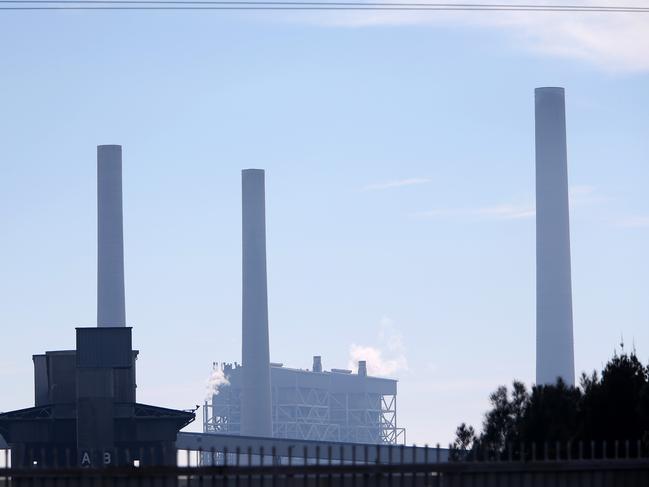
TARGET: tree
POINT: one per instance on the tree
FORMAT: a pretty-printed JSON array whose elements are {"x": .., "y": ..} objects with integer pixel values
[
  {"x": 551, "y": 414},
  {"x": 611, "y": 406},
  {"x": 464, "y": 437},
  {"x": 614, "y": 407},
  {"x": 501, "y": 425}
]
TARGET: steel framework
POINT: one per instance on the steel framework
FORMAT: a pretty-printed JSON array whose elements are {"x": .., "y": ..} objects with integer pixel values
[{"x": 320, "y": 406}]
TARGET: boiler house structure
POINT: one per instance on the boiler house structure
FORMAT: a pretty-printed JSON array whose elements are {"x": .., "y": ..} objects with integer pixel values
[{"x": 322, "y": 405}]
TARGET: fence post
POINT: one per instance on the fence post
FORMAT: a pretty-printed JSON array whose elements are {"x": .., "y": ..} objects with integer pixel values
[
  {"x": 275, "y": 462},
  {"x": 545, "y": 451},
  {"x": 581, "y": 450},
  {"x": 317, "y": 462},
  {"x": 329, "y": 455},
  {"x": 341, "y": 462},
  {"x": 534, "y": 451},
  {"x": 592, "y": 449},
  {"x": 249, "y": 464}
]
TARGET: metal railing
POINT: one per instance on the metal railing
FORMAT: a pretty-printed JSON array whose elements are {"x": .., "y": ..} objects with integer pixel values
[{"x": 547, "y": 464}]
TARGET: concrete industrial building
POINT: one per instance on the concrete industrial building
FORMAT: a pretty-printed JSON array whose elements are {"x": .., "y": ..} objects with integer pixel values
[
  {"x": 85, "y": 408},
  {"x": 316, "y": 404},
  {"x": 554, "y": 328}
]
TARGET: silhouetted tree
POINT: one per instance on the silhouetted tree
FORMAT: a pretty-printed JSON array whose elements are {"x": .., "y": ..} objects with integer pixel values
[
  {"x": 613, "y": 407},
  {"x": 501, "y": 425},
  {"x": 464, "y": 437},
  {"x": 551, "y": 414}
]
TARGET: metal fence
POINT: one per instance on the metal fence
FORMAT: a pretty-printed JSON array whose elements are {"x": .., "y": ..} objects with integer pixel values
[{"x": 526, "y": 465}]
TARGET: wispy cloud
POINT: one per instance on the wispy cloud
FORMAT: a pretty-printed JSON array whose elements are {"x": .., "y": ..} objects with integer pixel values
[
  {"x": 578, "y": 191},
  {"x": 585, "y": 194},
  {"x": 387, "y": 357},
  {"x": 498, "y": 212},
  {"x": 610, "y": 41},
  {"x": 579, "y": 195},
  {"x": 507, "y": 212},
  {"x": 397, "y": 183},
  {"x": 634, "y": 222}
]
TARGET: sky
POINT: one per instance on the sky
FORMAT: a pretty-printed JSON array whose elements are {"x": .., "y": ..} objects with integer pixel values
[{"x": 399, "y": 158}]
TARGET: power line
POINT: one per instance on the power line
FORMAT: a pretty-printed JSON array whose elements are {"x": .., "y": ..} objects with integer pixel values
[
  {"x": 301, "y": 5},
  {"x": 246, "y": 2}
]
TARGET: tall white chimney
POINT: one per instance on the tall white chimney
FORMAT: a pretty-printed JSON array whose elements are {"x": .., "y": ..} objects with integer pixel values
[
  {"x": 256, "y": 419},
  {"x": 110, "y": 239},
  {"x": 554, "y": 336}
]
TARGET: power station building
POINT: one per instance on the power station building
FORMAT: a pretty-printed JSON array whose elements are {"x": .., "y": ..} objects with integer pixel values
[
  {"x": 85, "y": 399},
  {"x": 85, "y": 410},
  {"x": 321, "y": 405}
]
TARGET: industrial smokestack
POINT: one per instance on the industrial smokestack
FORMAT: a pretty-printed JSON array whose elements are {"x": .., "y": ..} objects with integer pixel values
[
  {"x": 362, "y": 368},
  {"x": 110, "y": 239},
  {"x": 554, "y": 337},
  {"x": 317, "y": 363},
  {"x": 256, "y": 401}
]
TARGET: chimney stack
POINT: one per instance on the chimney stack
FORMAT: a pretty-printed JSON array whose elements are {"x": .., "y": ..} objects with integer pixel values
[
  {"x": 554, "y": 335},
  {"x": 110, "y": 239},
  {"x": 317, "y": 363},
  {"x": 362, "y": 368},
  {"x": 256, "y": 401}
]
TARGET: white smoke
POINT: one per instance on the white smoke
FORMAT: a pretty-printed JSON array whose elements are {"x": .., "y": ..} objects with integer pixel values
[
  {"x": 385, "y": 359},
  {"x": 215, "y": 381}
]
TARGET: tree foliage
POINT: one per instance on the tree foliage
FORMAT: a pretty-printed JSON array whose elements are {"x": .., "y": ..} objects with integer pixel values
[{"x": 610, "y": 406}]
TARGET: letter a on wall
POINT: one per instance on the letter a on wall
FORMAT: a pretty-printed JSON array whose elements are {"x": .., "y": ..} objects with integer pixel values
[{"x": 85, "y": 459}]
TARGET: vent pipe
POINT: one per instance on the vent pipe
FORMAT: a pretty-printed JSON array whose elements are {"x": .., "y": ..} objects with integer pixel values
[
  {"x": 554, "y": 334},
  {"x": 256, "y": 400},
  {"x": 362, "y": 368},
  {"x": 110, "y": 238},
  {"x": 317, "y": 363}
]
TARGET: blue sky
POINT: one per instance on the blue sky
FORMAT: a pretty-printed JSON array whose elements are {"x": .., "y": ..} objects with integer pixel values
[{"x": 400, "y": 190}]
